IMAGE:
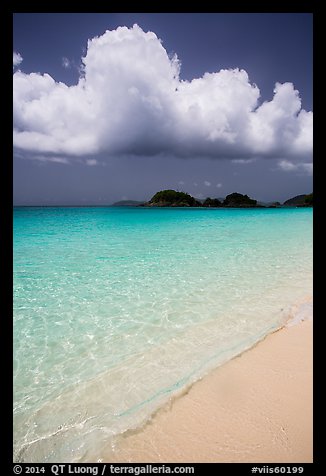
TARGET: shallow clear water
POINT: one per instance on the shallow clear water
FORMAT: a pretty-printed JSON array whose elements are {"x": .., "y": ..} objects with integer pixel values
[{"x": 116, "y": 309}]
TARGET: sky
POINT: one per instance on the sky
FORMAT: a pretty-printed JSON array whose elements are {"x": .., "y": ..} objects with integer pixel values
[{"x": 117, "y": 106}]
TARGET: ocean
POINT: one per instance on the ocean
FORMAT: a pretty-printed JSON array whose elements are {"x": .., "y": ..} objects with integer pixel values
[{"x": 118, "y": 310}]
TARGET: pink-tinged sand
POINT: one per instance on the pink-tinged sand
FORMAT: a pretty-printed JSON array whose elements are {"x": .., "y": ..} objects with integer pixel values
[{"x": 255, "y": 408}]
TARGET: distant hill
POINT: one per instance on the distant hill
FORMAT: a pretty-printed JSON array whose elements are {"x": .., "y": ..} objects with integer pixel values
[
  {"x": 212, "y": 202},
  {"x": 171, "y": 198},
  {"x": 238, "y": 200},
  {"x": 309, "y": 200},
  {"x": 300, "y": 201},
  {"x": 127, "y": 203}
]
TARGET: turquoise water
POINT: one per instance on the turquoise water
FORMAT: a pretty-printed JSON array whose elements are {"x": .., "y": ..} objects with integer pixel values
[{"x": 117, "y": 309}]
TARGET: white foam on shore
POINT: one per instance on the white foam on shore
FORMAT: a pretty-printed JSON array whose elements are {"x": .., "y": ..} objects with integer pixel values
[{"x": 302, "y": 311}]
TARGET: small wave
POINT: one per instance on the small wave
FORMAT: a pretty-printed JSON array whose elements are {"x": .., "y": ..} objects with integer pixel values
[{"x": 301, "y": 311}]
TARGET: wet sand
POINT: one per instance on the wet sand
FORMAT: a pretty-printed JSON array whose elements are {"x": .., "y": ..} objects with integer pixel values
[{"x": 255, "y": 408}]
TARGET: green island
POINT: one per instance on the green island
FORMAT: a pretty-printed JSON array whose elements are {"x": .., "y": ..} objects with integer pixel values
[{"x": 172, "y": 198}]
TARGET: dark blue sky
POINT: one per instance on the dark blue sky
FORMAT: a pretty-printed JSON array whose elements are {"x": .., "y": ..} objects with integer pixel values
[{"x": 269, "y": 47}]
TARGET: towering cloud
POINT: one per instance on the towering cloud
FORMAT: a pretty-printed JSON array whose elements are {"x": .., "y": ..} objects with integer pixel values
[{"x": 130, "y": 100}]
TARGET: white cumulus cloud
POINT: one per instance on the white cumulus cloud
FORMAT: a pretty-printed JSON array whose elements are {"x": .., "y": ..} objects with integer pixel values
[
  {"x": 130, "y": 100},
  {"x": 207, "y": 183}
]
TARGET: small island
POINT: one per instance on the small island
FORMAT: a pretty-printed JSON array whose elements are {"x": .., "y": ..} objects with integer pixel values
[
  {"x": 172, "y": 198},
  {"x": 300, "y": 201}
]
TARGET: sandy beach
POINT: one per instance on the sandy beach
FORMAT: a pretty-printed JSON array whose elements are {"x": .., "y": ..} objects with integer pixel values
[{"x": 255, "y": 408}]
